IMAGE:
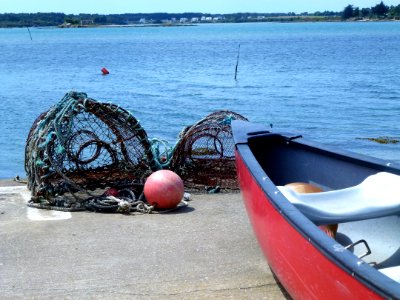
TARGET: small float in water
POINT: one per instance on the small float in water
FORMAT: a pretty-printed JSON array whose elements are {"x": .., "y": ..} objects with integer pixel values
[{"x": 104, "y": 71}]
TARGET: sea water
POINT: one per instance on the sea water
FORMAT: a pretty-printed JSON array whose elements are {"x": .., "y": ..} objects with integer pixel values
[{"x": 332, "y": 82}]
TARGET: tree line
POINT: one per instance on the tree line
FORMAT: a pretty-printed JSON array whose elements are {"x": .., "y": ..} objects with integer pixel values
[
  {"x": 34, "y": 19},
  {"x": 57, "y": 19},
  {"x": 379, "y": 11}
]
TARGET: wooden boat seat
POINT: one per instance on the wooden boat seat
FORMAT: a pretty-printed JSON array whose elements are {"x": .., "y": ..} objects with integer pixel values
[
  {"x": 392, "y": 272},
  {"x": 377, "y": 196}
]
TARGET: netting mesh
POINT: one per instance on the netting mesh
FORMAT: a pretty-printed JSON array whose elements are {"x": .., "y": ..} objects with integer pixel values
[
  {"x": 204, "y": 154},
  {"x": 81, "y": 148},
  {"x": 81, "y": 144}
]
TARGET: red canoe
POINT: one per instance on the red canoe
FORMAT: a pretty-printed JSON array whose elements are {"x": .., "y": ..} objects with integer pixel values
[{"x": 340, "y": 242}]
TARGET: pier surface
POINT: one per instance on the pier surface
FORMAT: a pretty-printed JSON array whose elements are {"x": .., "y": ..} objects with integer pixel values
[{"x": 206, "y": 250}]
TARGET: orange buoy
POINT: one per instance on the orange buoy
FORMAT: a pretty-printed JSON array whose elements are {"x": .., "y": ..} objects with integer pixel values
[
  {"x": 301, "y": 187},
  {"x": 164, "y": 189},
  {"x": 105, "y": 71}
]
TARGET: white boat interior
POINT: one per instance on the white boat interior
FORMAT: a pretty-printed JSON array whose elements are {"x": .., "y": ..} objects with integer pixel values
[{"x": 368, "y": 215}]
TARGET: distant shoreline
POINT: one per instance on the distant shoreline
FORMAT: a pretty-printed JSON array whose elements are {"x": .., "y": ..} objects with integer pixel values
[
  {"x": 120, "y": 25},
  {"x": 302, "y": 20},
  {"x": 197, "y": 24},
  {"x": 62, "y": 20}
]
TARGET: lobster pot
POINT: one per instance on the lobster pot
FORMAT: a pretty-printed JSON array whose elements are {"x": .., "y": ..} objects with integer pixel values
[
  {"x": 204, "y": 155},
  {"x": 81, "y": 144}
]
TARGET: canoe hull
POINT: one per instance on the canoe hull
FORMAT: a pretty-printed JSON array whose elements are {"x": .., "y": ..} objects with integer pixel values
[{"x": 300, "y": 267}]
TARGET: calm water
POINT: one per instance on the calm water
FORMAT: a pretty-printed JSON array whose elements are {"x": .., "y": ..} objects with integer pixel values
[{"x": 332, "y": 82}]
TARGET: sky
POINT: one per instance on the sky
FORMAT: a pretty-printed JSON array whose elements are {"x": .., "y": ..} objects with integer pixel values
[{"x": 179, "y": 6}]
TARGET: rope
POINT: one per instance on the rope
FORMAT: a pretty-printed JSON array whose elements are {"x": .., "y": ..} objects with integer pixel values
[
  {"x": 107, "y": 204},
  {"x": 162, "y": 153},
  {"x": 51, "y": 207},
  {"x": 111, "y": 204}
]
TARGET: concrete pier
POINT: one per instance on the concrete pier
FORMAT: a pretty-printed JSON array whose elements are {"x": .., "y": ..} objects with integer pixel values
[{"x": 206, "y": 250}]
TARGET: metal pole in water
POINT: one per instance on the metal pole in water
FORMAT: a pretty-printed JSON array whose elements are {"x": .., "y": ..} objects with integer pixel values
[
  {"x": 237, "y": 62},
  {"x": 29, "y": 32}
]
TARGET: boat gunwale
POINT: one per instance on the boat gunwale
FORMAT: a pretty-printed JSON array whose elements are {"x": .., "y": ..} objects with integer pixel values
[{"x": 329, "y": 248}]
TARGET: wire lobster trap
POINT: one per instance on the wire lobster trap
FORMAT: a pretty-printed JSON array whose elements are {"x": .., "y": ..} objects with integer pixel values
[
  {"x": 81, "y": 145},
  {"x": 204, "y": 155}
]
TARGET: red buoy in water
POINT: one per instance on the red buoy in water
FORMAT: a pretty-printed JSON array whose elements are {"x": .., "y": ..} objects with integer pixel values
[
  {"x": 105, "y": 71},
  {"x": 164, "y": 189}
]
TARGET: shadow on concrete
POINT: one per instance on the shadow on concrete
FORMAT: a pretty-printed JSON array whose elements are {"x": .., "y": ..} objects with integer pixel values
[{"x": 179, "y": 211}]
